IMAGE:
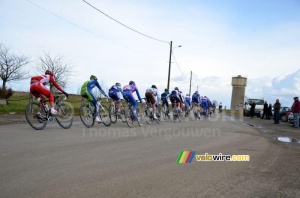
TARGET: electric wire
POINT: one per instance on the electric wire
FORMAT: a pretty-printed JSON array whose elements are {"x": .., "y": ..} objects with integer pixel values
[
  {"x": 123, "y": 23},
  {"x": 178, "y": 65},
  {"x": 95, "y": 34}
]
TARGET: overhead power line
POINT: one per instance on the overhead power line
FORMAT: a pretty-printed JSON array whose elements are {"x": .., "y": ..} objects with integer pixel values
[
  {"x": 177, "y": 64},
  {"x": 95, "y": 34},
  {"x": 124, "y": 24}
]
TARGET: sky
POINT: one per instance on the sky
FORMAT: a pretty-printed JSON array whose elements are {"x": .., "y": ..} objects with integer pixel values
[{"x": 258, "y": 39}]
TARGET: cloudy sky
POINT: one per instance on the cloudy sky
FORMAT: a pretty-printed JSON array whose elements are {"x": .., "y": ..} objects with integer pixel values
[{"x": 258, "y": 39}]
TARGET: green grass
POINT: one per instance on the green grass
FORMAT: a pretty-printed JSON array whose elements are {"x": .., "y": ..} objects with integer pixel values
[
  {"x": 18, "y": 104},
  {"x": 15, "y": 104}
]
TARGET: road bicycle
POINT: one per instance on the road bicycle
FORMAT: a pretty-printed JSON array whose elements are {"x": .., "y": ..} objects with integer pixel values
[
  {"x": 165, "y": 110},
  {"x": 196, "y": 113},
  {"x": 187, "y": 109},
  {"x": 130, "y": 116},
  {"x": 177, "y": 113},
  {"x": 148, "y": 111},
  {"x": 115, "y": 115},
  {"x": 87, "y": 113},
  {"x": 38, "y": 114},
  {"x": 203, "y": 112}
]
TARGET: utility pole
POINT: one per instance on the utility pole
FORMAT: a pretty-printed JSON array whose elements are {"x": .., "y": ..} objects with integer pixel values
[
  {"x": 191, "y": 82},
  {"x": 169, "y": 66}
]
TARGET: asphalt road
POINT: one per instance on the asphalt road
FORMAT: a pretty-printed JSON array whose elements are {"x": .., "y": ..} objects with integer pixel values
[{"x": 118, "y": 161}]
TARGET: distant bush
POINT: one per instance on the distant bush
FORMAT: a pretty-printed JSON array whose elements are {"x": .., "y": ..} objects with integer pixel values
[{"x": 6, "y": 93}]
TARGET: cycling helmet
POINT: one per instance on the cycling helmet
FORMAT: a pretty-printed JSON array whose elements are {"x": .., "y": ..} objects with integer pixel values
[
  {"x": 118, "y": 84},
  {"x": 166, "y": 90},
  {"x": 132, "y": 82},
  {"x": 176, "y": 88},
  {"x": 153, "y": 86},
  {"x": 49, "y": 72},
  {"x": 93, "y": 77}
]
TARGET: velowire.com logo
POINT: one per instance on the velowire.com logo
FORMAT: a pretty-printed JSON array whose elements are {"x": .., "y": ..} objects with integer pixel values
[{"x": 188, "y": 156}]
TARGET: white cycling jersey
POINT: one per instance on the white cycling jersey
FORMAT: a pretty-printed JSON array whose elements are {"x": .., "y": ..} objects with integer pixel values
[{"x": 155, "y": 92}]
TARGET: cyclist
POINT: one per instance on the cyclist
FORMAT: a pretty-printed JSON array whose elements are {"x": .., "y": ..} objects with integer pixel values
[
  {"x": 205, "y": 105},
  {"x": 209, "y": 106},
  {"x": 150, "y": 95},
  {"x": 175, "y": 97},
  {"x": 182, "y": 99},
  {"x": 115, "y": 92},
  {"x": 128, "y": 96},
  {"x": 164, "y": 99},
  {"x": 220, "y": 107},
  {"x": 86, "y": 92},
  {"x": 38, "y": 88},
  {"x": 213, "y": 107},
  {"x": 187, "y": 102},
  {"x": 196, "y": 100}
]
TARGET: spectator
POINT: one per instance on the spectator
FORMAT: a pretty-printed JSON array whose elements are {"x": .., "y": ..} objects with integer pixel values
[
  {"x": 276, "y": 107},
  {"x": 265, "y": 111},
  {"x": 269, "y": 114},
  {"x": 252, "y": 108},
  {"x": 296, "y": 111}
]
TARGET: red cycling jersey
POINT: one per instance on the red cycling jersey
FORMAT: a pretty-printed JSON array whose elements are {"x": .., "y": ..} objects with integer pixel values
[{"x": 38, "y": 83}]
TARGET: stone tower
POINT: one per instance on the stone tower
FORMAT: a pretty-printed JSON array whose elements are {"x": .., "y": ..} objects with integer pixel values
[{"x": 239, "y": 84}]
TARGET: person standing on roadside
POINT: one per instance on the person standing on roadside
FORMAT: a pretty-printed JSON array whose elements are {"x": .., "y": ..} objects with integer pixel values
[
  {"x": 269, "y": 114},
  {"x": 252, "y": 108},
  {"x": 276, "y": 107},
  {"x": 265, "y": 111},
  {"x": 296, "y": 111}
]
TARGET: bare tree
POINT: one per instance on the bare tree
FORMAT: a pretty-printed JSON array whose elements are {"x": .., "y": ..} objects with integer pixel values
[
  {"x": 12, "y": 66},
  {"x": 61, "y": 69}
]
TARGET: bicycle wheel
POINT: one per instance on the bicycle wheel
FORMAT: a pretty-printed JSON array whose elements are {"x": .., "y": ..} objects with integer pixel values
[
  {"x": 105, "y": 115},
  {"x": 86, "y": 113},
  {"x": 175, "y": 115},
  {"x": 139, "y": 117},
  {"x": 65, "y": 117},
  {"x": 36, "y": 116},
  {"x": 158, "y": 114},
  {"x": 179, "y": 116},
  {"x": 129, "y": 117},
  {"x": 112, "y": 110},
  {"x": 147, "y": 116},
  {"x": 122, "y": 114},
  {"x": 164, "y": 111}
]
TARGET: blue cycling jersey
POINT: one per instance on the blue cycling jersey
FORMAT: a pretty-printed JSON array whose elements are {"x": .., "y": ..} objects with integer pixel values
[
  {"x": 204, "y": 103},
  {"x": 196, "y": 98},
  {"x": 188, "y": 100},
  {"x": 116, "y": 88},
  {"x": 94, "y": 83}
]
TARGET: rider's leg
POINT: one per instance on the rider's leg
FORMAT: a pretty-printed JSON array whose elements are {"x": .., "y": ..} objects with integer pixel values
[
  {"x": 49, "y": 95},
  {"x": 134, "y": 103},
  {"x": 92, "y": 99}
]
